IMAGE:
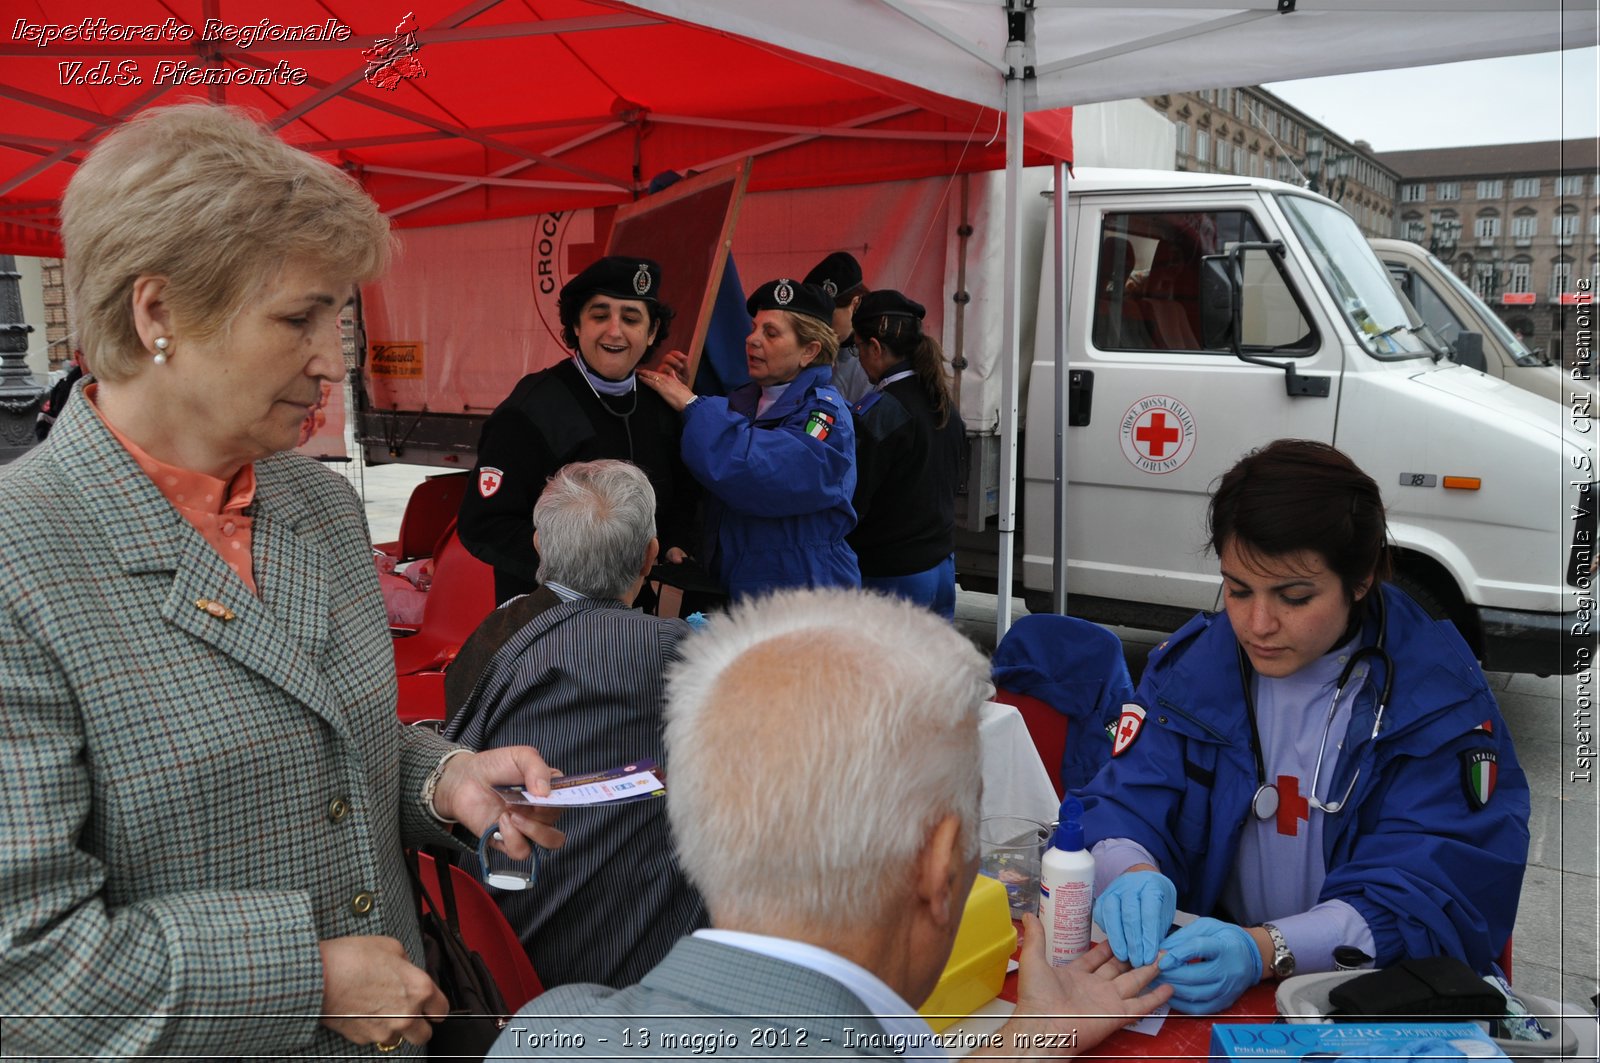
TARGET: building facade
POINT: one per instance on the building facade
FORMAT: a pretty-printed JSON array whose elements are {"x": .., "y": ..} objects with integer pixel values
[
  {"x": 1250, "y": 132},
  {"x": 1520, "y": 223}
]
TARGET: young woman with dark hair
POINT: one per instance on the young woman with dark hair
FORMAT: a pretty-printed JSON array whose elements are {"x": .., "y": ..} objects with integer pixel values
[
  {"x": 1320, "y": 765},
  {"x": 909, "y": 446}
]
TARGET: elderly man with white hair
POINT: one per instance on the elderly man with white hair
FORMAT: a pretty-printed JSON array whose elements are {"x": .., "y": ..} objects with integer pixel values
[
  {"x": 573, "y": 670},
  {"x": 824, "y": 799}
]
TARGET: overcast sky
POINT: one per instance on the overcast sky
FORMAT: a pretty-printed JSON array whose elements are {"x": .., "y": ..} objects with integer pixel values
[{"x": 1489, "y": 101}]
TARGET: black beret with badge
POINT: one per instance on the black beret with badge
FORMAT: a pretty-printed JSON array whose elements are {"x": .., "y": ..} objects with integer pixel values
[
  {"x": 619, "y": 276},
  {"x": 839, "y": 272},
  {"x": 792, "y": 295},
  {"x": 889, "y": 303}
]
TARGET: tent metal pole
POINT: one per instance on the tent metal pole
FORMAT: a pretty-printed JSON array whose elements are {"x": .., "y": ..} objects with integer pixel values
[
  {"x": 1058, "y": 218},
  {"x": 1009, "y": 350}
]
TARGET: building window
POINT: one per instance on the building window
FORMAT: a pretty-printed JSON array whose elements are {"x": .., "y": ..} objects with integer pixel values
[
  {"x": 1521, "y": 279},
  {"x": 1569, "y": 185},
  {"x": 1222, "y": 98},
  {"x": 1490, "y": 189},
  {"x": 1413, "y": 193},
  {"x": 1564, "y": 227},
  {"x": 1525, "y": 188},
  {"x": 1183, "y": 138},
  {"x": 1448, "y": 190},
  {"x": 1224, "y": 155},
  {"x": 1560, "y": 277},
  {"x": 1202, "y": 145},
  {"x": 1524, "y": 227},
  {"x": 1486, "y": 228},
  {"x": 1483, "y": 280},
  {"x": 1412, "y": 228}
]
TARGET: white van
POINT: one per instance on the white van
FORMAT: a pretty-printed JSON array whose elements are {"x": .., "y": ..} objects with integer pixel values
[
  {"x": 1210, "y": 314},
  {"x": 1471, "y": 331}
]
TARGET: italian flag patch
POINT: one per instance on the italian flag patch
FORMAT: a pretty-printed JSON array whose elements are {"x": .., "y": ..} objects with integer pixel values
[
  {"x": 1479, "y": 769},
  {"x": 819, "y": 424}
]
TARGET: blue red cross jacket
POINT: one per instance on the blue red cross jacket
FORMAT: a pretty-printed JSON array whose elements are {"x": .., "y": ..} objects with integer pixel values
[
  {"x": 1431, "y": 866},
  {"x": 778, "y": 486}
]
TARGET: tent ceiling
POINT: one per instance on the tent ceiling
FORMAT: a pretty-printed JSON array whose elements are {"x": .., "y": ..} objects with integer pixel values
[
  {"x": 1087, "y": 51},
  {"x": 523, "y": 106}
]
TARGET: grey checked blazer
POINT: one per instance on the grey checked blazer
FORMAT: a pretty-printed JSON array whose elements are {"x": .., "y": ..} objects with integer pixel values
[
  {"x": 583, "y": 681},
  {"x": 190, "y": 803},
  {"x": 775, "y": 1009}
]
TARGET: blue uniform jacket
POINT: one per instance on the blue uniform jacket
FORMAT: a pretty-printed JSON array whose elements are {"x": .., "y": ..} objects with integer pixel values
[
  {"x": 1429, "y": 872},
  {"x": 779, "y": 486}
]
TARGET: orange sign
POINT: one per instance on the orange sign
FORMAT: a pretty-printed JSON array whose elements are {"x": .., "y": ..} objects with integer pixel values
[
  {"x": 1516, "y": 299},
  {"x": 398, "y": 360}
]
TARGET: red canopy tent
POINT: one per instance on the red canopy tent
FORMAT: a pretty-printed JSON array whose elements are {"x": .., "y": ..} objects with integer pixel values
[{"x": 453, "y": 113}]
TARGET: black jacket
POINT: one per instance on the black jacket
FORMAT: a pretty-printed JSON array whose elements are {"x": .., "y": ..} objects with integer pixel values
[
  {"x": 907, "y": 472},
  {"x": 552, "y": 418}
]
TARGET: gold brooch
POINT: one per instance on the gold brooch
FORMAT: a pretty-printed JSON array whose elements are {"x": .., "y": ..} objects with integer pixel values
[{"x": 215, "y": 608}]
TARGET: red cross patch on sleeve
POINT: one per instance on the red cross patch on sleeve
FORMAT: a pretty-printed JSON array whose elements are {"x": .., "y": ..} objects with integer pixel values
[
  {"x": 489, "y": 480},
  {"x": 1129, "y": 724}
]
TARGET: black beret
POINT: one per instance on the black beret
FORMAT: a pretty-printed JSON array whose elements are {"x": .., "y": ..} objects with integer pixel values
[
  {"x": 839, "y": 272},
  {"x": 786, "y": 294},
  {"x": 619, "y": 276},
  {"x": 888, "y": 303}
]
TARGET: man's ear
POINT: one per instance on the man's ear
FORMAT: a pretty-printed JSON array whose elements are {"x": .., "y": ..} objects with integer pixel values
[
  {"x": 937, "y": 868},
  {"x": 151, "y": 317},
  {"x": 651, "y": 552},
  {"x": 536, "y": 540}
]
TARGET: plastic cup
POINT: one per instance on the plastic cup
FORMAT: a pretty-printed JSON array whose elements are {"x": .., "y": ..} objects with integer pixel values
[{"x": 1010, "y": 847}]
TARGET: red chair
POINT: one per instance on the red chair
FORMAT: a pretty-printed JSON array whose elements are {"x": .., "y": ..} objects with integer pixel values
[
  {"x": 461, "y": 596},
  {"x": 421, "y": 697},
  {"x": 1047, "y": 728},
  {"x": 485, "y": 930},
  {"x": 430, "y": 512}
]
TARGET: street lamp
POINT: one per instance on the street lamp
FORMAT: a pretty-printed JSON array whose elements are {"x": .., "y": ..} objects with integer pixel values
[{"x": 1323, "y": 158}]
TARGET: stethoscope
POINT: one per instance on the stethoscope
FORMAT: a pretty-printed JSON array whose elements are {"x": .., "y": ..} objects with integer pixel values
[{"x": 1265, "y": 802}]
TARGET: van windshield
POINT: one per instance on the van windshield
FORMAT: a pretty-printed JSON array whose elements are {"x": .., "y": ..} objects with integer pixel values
[
  {"x": 1372, "y": 305},
  {"x": 1490, "y": 320}
]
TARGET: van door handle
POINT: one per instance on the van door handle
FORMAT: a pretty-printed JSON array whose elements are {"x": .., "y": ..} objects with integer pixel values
[{"x": 1080, "y": 396}]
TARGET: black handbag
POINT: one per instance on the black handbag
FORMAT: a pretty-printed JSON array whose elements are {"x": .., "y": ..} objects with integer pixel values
[{"x": 478, "y": 1011}]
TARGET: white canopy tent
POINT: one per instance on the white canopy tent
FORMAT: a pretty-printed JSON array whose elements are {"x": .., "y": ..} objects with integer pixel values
[{"x": 1028, "y": 55}]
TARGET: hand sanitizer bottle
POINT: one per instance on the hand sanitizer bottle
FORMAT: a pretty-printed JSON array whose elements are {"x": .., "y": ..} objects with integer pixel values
[{"x": 1066, "y": 888}]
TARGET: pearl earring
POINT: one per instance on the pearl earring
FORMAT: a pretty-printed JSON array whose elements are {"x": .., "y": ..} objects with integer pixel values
[{"x": 161, "y": 350}]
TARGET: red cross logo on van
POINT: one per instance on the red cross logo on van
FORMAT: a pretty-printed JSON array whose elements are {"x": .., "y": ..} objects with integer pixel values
[{"x": 1158, "y": 434}]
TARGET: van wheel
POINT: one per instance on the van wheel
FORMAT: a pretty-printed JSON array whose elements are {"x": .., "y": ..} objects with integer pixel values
[{"x": 1424, "y": 596}]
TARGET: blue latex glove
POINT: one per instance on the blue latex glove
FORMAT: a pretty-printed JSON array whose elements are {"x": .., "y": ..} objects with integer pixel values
[
  {"x": 1135, "y": 911},
  {"x": 1208, "y": 964}
]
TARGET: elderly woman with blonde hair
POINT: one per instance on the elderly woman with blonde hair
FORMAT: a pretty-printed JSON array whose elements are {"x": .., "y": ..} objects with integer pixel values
[{"x": 209, "y": 789}]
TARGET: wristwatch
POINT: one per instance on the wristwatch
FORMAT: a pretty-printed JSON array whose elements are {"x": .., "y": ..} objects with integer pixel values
[{"x": 1282, "y": 958}]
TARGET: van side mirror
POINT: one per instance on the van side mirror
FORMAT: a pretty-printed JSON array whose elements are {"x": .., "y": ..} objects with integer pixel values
[
  {"x": 1222, "y": 283},
  {"x": 1218, "y": 315},
  {"x": 1469, "y": 350}
]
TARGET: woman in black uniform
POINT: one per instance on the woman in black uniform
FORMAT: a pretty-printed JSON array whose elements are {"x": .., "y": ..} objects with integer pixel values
[
  {"x": 587, "y": 407},
  {"x": 909, "y": 445}
]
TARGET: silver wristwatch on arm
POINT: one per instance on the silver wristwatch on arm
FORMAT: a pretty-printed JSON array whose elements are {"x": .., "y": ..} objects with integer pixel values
[{"x": 1282, "y": 957}]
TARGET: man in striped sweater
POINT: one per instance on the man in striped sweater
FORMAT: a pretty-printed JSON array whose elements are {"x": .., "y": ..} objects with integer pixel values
[{"x": 573, "y": 669}]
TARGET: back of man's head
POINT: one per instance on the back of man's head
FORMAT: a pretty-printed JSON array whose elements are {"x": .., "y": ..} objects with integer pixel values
[
  {"x": 815, "y": 738},
  {"x": 595, "y": 520}
]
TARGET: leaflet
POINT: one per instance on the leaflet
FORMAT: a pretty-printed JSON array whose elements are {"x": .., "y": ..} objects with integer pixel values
[{"x": 638, "y": 781}]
